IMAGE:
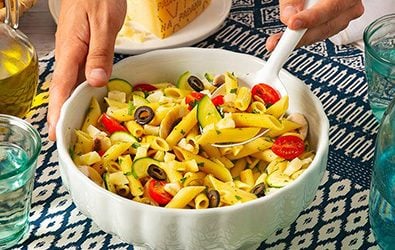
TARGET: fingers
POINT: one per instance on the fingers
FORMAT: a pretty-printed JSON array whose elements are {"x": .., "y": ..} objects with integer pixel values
[
  {"x": 324, "y": 11},
  {"x": 104, "y": 28},
  {"x": 70, "y": 53},
  {"x": 272, "y": 41},
  {"x": 63, "y": 82},
  {"x": 84, "y": 40},
  {"x": 322, "y": 20},
  {"x": 325, "y": 30},
  {"x": 100, "y": 55}
]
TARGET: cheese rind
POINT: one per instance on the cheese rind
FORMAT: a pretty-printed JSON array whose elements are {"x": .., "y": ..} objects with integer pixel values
[{"x": 165, "y": 17}]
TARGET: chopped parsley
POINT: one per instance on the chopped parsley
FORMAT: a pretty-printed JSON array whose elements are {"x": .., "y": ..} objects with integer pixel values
[
  {"x": 71, "y": 152},
  {"x": 136, "y": 145},
  {"x": 183, "y": 179},
  {"x": 233, "y": 91}
]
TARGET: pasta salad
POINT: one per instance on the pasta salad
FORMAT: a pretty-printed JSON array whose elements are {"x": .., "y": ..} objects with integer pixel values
[{"x": 155, "y": 143}]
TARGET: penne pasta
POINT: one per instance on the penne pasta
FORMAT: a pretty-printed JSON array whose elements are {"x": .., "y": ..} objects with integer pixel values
[
  {"x": 278, "y": 108},
  {"x": 184, "y": 196},
  {"x": 255, "y": 146},
  {"x": 247, "y": 177},
  {"x": 205, "y": 165},
  {"x": 164, "y": 154},
  {"x": 120, "y": 114},
  {"x": 256, "y": 120},
  {"x": 182, "y": 128},
  {"x": 243, "y": 99},
  {"x": 227, "y": 135},
  {"x": 239, "y": 166},
  {"x": 257, "y": 108},
  {"x": 157, "y": 143},
  {"x": 201, "y": 201},
  {"x": 93, "y": 114},
  {"x": 83, "y": 143},
  {"x": 135, "y": 186},
  {"x": 193, "y": 179},
  {"x": 134, "y": 128}
]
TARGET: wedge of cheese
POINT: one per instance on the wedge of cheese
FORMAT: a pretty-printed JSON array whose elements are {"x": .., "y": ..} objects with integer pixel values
[{"x": 164, "y": 17}]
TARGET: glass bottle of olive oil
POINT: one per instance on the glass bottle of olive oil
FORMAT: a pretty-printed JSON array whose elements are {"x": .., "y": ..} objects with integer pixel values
[{"x": 18, "y": 66}]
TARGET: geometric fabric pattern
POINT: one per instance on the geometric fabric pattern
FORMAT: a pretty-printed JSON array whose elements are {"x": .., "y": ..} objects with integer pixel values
[{"x": 338, "y": 216}]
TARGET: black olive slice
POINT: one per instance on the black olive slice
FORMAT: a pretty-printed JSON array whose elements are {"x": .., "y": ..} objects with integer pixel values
[
  {"x": 143, "y": 115},
  {"x": 156, "y": 172},
  {"x": 213, "y": 198},
  {"x": 195, "y": 83},
  {"x": 259, "y": 190}
]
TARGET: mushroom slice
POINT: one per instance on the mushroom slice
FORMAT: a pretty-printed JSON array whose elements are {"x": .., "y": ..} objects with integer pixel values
[
  {"x": 171, "y": 119},
  {"x": 219, "y": 80},
  {"x": 300, "y": 119}
]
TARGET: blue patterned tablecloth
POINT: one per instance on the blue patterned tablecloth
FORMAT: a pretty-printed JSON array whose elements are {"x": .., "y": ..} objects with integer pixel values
[{"x": 338, "y": 216}]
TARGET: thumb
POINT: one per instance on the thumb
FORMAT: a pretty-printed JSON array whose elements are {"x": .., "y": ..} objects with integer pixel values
[{"x": 100, "y": 56}]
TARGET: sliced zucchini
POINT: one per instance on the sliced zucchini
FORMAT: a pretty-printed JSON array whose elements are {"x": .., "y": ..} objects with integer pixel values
[
  {"x": 209, "y": 77},
  {"x": 278, "y": 179},
  {"x": 182, "y": 82},
  {"x": 139, "y": 101},
  {"x": 120, "y": 85},
  {"x": 207, "y": 113},
  {"x": 140, "y": 166},
  {"x": 108, "y": 185},
  {"x": 121, "y": 136}
]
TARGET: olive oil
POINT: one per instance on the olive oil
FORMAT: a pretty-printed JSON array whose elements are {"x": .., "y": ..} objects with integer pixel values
[{"x": 18, "y": 73}]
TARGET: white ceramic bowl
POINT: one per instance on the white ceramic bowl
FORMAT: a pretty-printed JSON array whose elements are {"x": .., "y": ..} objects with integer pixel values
[{"x": 244, "y": 225}]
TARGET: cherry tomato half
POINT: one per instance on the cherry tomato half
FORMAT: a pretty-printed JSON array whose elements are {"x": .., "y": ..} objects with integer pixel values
[
  {"x": 288, "y": 146},
  {"x": 265, "y": 93},
  {"x": 145, "y": 87},
  {"x": 157, "y": 192},
  {"x": 192, "y": 99},
  {"x": 110, "y": 124},
  {"x": 218, "y": 100}
]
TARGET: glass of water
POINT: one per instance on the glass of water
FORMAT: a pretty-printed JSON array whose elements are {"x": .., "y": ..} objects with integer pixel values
[
  {"x": 20, "y": 145},
  {"x": 379, "y": 41}
]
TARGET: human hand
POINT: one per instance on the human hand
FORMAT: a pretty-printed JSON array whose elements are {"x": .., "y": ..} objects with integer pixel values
[
  {"x": 85, "y": 40},
  {"x": 324, "y": 19}
]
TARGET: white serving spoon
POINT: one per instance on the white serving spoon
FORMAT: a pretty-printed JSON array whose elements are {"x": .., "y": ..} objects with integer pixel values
[{"x": 269, "y": 74}]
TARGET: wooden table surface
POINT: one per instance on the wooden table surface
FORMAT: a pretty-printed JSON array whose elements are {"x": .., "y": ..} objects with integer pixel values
[{"x": 40, "y": 27}]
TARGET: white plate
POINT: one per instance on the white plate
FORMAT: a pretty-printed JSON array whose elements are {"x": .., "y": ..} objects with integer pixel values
[{"x": 203, "y": 26}]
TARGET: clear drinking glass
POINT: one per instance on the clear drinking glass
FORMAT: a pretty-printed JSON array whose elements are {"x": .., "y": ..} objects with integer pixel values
[
  {"x": 379, "y": 40},
  {"x": 382, "y": 195},
  {"x": 18, "y": 66},
  {"x": 20, "y": 145}
]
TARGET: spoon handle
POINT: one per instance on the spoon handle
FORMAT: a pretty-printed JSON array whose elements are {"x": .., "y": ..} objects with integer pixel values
[{"x": 285, "y": 46}]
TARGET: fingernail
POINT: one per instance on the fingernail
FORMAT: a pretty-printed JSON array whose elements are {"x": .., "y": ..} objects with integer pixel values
[
  {"x": 288, "y": 12},
  {"x": 98, "y": 75},
  {"x": 297, "y": 24}
]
